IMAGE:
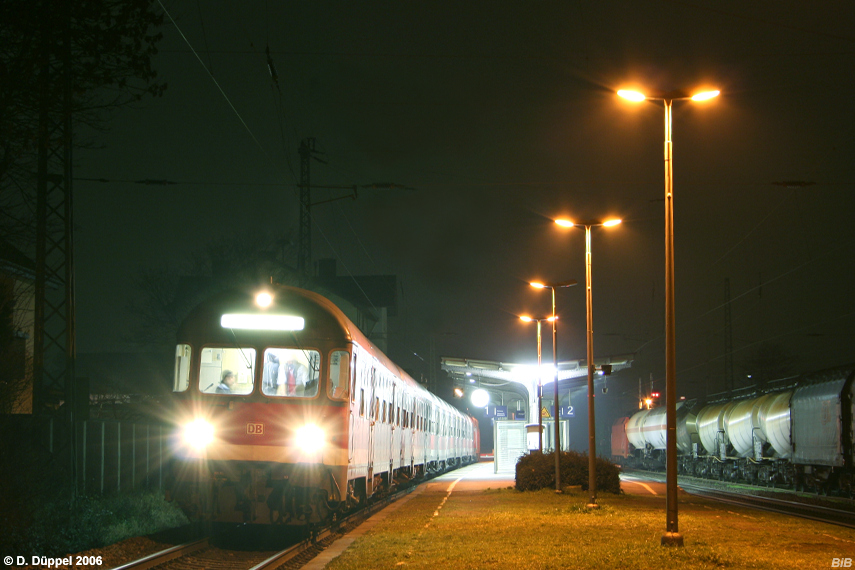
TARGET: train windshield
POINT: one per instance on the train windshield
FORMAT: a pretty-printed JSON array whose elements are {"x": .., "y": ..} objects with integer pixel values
[
  {"x": 227, "y": 370},
  {"x": 291, "y": 372}
]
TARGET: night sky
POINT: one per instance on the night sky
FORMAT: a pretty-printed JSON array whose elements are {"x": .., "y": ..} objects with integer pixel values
[{"x": 499, "y": 117}]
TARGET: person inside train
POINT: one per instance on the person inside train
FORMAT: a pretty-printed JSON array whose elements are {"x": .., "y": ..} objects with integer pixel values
[
  {"x": 293, "y": 378},
  {"x": 270, "y": 374},
  {"x": 227, "y": 383}
]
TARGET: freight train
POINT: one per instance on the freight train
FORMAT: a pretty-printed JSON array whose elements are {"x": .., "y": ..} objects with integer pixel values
[
  {"x": 287, "y": 414},
  {"x": 801, "y": 436}
]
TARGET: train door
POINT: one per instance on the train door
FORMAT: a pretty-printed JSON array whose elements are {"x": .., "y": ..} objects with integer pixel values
[
  {"x": 372, "y": 419},
  {"x": 394, "y": 434},
  {"x": 354, "y": 374}
]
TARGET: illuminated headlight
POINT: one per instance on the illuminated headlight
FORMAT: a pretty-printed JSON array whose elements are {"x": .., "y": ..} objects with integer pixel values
[
  {"x": 198, "y": 434},
  {"x": 310, "y": 438}
]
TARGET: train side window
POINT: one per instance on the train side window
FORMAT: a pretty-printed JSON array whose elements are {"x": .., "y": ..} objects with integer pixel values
[
  {"x": 339, "y": 376},
  {"x": 217, "y": 363},
  {"x": 291, "y": 372},
  {"x": 383, "y": 419},
  {"x": 362, "y": 402},
  {"x": 182, "y": 368}
]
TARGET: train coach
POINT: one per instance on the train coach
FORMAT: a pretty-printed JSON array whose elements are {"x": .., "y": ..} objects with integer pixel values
[
  {"x": 287, "y": 413},
  {"x": 801, "y": 436}
]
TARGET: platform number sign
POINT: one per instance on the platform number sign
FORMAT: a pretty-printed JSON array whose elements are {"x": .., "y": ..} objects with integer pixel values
[{"x": 254, "y": 428}]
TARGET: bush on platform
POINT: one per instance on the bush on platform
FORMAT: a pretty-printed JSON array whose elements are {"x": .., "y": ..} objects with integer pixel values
[{"x": 537, "y": 471}]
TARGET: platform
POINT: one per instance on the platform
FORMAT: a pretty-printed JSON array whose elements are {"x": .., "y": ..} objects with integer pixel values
[{"x": 472, "y": 518}]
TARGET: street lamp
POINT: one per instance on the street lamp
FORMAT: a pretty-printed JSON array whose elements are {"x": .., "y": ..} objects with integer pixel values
[
  {"x": 592, "y": 425},
  {"x": 553, "y": 286},
  {"x": 539, "y": 379},
  {"x": 672, "y": 536}
]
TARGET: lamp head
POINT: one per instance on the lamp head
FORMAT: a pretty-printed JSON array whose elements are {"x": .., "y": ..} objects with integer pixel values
[
  {"x": 705, "y": 95},
  {"x": 633, "y": 96}
]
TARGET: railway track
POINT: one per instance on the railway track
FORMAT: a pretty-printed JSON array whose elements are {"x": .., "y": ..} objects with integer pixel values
[
  {"x": 839, "y": 512},
  {"x": 837, "y": 516},
  {"x": 202, "y": 555}
]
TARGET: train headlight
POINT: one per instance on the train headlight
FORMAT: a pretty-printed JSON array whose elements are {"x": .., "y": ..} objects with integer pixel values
[
  {"x": 198, "y": 434},
  {"x": 310, "y": 438}
]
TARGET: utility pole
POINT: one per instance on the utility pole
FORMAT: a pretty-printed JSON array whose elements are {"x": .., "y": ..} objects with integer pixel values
[
  {"x": 308, "y": 152},
  {"x": 304, "y": 246},
  {"x": 54, "y": 328}
]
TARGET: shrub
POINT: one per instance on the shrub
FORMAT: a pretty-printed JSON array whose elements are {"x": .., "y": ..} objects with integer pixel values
[
  {"x": 537, "y": 471},
  {"x": 59, "y": 527}
]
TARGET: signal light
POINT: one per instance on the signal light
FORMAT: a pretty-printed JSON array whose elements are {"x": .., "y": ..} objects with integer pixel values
[
  {"x": 458, "y": 392},
  {"x": 654, "y": 395}
]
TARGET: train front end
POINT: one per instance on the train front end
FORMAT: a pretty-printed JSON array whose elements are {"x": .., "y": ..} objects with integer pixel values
[{"x": 262, "y": 409}]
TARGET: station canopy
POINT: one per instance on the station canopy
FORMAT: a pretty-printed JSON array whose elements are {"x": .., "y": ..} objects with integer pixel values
[{"x": 523, "y": 378}]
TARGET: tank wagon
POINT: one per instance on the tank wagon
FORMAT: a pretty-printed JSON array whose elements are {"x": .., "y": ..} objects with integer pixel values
[
  {"x": 287, "y": 413},
  {"x": 802, "y": 436}
]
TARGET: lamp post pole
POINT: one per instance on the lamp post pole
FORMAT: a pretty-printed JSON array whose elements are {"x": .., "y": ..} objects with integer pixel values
[
  {"x": 553, "y": 286},
  {"x": 589, "y": 315},
  {"x": 539, "y": 380},
  {"x": 555, "y": 401},
  {"x": 539, "y": 395},
  {"x": 672, "y": 536},
  {"x": 592, "y": 425}
]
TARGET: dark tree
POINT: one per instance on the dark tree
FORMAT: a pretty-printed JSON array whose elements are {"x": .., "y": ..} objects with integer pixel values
[{"x": 103, "y": 47}]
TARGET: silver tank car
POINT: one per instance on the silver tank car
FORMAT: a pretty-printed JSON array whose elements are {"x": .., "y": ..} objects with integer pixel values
[
  {"x": 647, "y": 429},
  {"x": 711, "y": 427},
  {"x": 775, "y": 423},
  {"x": 801, "y": 435}
]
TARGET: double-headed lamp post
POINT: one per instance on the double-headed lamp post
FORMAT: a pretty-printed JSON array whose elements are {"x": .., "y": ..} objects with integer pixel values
[
  {"x": 672, "y": 536},
  {"x": 592, "y": 425},
  {"x": 553, "y": 286},
  {"x": 539, "y": 379}
]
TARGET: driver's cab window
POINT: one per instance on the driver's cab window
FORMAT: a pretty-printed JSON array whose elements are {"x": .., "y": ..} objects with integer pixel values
[
  {"x": 339, "y": 374},
  {"x": 182, "y": 368},
  {"x": 291, "y": 372},
  {"x": 227, "y": 370}
]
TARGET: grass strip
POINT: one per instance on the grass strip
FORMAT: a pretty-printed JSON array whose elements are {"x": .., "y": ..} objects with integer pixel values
[{"x": 505, "y": 528}]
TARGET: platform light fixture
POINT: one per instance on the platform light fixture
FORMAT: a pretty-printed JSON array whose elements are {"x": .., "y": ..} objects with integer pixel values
[
  {"x": 527, "y": 319},
  {"x": 672, "y": 536},
  {"x": 592, "y": 437},
  {"x": 553, "y": 287},
  {"x": 480, "y": 398}
]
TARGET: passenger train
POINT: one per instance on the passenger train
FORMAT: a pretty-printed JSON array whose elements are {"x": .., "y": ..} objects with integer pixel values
[
  {"x": 801, "y": 436},
  {"x": 287, "y": 413}
]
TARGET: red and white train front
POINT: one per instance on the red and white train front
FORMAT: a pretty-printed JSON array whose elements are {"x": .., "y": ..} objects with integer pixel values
[{"x": 287, "y": 413}]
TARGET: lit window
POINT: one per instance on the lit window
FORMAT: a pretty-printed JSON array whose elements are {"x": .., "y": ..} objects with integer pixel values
[
  {"x": 227, "y": 370},
  {"x": 290, "y": 372}
]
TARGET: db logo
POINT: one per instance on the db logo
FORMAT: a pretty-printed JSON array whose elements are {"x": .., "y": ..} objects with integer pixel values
[
  {"x": 258, "y": 429},
  {"x": 841, "y": 563}
]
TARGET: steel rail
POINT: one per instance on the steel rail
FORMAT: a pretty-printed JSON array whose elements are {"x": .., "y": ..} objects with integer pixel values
[{"x": 159, "y": 558}]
